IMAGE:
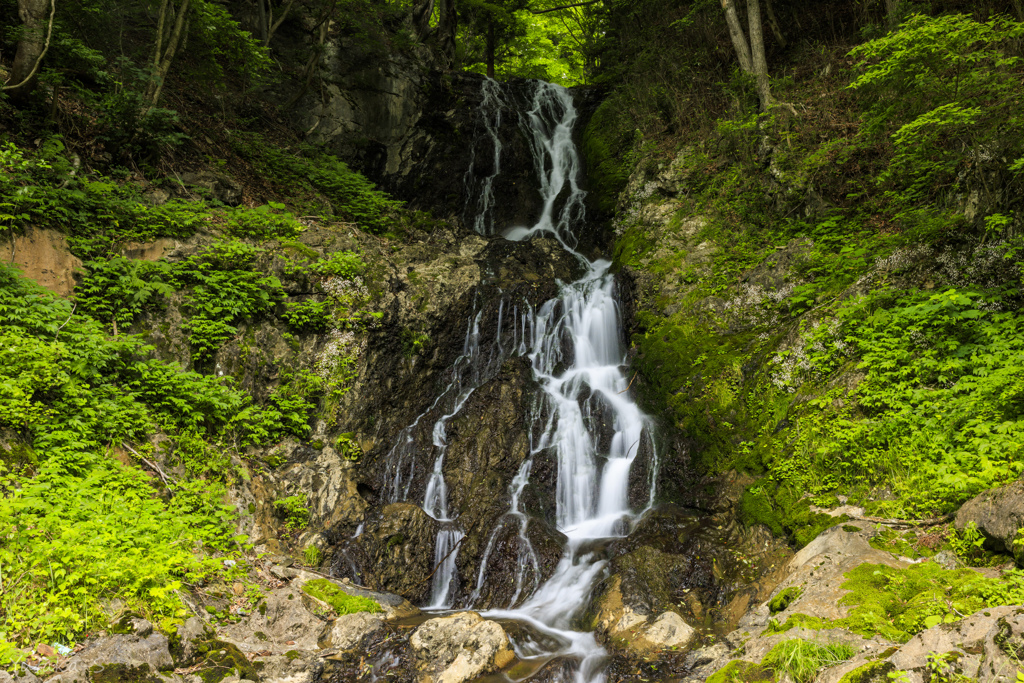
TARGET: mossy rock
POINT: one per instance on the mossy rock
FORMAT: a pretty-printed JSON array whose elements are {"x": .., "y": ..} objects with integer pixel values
[
  {"x": 784, "y": 599},
  {"x": 220, "y": 659},
  {"x": 740, "y": 671},
  {"x": 122, "y": 673},
  {"x": 872, "y": 672},
  {"x": 343, "y": 603}
]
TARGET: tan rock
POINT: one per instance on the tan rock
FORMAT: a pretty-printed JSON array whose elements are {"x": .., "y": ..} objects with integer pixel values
[
  {"x": 459, "y": 648},
  {"x": 43, "y": 255}
]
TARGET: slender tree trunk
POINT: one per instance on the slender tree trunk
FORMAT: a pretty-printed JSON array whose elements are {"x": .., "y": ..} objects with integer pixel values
[
  {"x": 32, "y": 46},
  {"x": 263, "y": 20},
  {"x": 892, "y": 8},
  {"x": 757, "y": 52},
  {"x": 774, "y": 23},
  {"x": 739, "y": 41},
  {"x": 490, "y": 48},
  {"x": 272, "y": 24},
  {"x": 165, "y": 60}
]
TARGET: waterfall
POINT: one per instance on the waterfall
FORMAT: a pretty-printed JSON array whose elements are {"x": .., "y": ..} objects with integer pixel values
[{"x": 582, "y": 412}]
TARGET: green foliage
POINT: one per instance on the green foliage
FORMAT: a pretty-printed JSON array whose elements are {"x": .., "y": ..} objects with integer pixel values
[
  {"x": 802, "y": 659},
  {"x": 344, "y": 264},
  {"x": 312, "y": 556},
  {"x": 607, "y": 142},
  {"x": 947, "y": 82},
  {"x": 347, "y": 447},
  {"x": 968, "y": 545},
  {"x": 117, "y": 289},
  {"x": 899, "y": 603},
  {"x": 79, "y": 527},
  {"x": 308, "y": 316},
  {"x": 342, "y": 602},
  {"x": 348, "y": 194},
  {"x": 266, "y": 222},
  {"x": 294, "y": 511},
  {"x": 224, "y": 289}
]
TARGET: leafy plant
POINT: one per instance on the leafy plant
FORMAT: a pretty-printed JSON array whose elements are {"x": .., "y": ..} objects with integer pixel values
[
  {"x": 342, "y": 602},
  {"x": 294, "y": 511},
  {"x": 347, "y": 447}
]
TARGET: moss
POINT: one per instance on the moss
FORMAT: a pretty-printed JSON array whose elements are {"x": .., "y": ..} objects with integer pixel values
[
  {"x": 784, "y": 599},
  {"x": 262, "y": 609},
  {"x": 872, "y": 672},
  {"x": 784, "y": 512},
  {"x": 122, "y": 673},
  {"x": 606, "y": 135},
  {"x": 905, "y": 544},
  {"x": 738, "y": 670},
  {"x": 220, "y": 659},
  {"x": 797, "y": 621},
  {"x": 18, "y": 455},
  {"x": 342, "y": 602},
  {"x": 260, "y": 635},
  {"x": 292, "y": 655}
]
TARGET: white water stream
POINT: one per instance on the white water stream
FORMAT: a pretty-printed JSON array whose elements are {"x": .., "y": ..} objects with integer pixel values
[{"x": 574, "y": 345}]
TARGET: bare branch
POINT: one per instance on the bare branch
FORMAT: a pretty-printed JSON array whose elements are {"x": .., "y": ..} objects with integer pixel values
[{"x": 561, "y": 7}]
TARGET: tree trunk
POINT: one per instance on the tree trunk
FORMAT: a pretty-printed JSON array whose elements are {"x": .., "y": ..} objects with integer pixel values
[
  {"x": 167, "y": 58},
  {"x": 272, "y": 24},
  {"x": 32, "y": 46},
  {"x": 447, "y": 26},
  {"x": 490, "y": 48},
  {"x": 774, "y": 23},
  {"x": 263, "y": 20},
  {"x": 892, "y": 7},
  {"x": 739, "y": 41},
  {"x": 757, "y": 49},
  {"x": 421, "y": 14}
]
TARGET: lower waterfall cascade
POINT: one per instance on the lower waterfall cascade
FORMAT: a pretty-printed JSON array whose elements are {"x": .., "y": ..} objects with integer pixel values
[{"x": 582, "y": 410}]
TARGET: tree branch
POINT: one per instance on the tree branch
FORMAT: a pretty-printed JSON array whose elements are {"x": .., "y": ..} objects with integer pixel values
[{"x": 555, "y": 9}]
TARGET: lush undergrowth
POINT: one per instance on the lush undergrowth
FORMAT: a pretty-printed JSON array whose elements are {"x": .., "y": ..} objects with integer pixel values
[
  {"x": 86, "y": 537},
  {"x": 900, "y": 603},
  {"x": 115, "y": 465},
  {"x": 830, "y": 312}
]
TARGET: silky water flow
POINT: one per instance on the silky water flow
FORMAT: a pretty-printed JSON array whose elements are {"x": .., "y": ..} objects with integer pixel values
[{"x": 574, "y": 345}]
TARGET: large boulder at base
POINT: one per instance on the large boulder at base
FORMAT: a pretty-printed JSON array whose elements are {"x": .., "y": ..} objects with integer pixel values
[
  {"x": 999, "y": 515},
  {"x": 119, "y": 658},
  {"x": 635, "y": 631},
  {"x": 349, "y": 630},
  {"x": 281, "y": 623},
  {"x": 459, "y": 648}
]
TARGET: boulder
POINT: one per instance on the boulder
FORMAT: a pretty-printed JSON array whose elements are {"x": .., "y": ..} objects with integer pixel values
[
  {"x": 25, "y": 677},
  {"x": 221, "y": 187},
  {"x": 400, "y": 548},
  {"x": 459, "y": 648},
  {"x": 280, "y": 624},
  {"x": 290, "y": 668},
  {"x": 120, "y": 658},
  {"x": 635, "y": 630},
  {"x": 999, "y": 515},
  {"x": 349, "y": 630}
]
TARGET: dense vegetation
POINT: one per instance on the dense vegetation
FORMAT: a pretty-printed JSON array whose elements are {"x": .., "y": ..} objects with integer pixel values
[{"x": 855, "y": 330}]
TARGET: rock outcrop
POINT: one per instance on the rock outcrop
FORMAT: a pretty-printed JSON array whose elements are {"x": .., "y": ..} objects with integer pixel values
[
  {"x": 459, "y": 648},
  {"x": 999, "y": 515}
]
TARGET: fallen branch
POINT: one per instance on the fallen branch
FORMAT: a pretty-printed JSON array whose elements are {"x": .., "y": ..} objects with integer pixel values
[
  {"x": 168, "y": 481},
  {"x": 628, "y": 385},
  {"x": 445, "y": 558},
  {"x": 934, "y": 521}
]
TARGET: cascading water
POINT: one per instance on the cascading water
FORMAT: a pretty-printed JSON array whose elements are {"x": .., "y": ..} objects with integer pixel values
[{"x": 583, "y": 412}]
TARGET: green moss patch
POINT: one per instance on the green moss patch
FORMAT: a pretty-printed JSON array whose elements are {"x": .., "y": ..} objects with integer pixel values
[
  {"x": 784, "y": 599},
  {"x": 220, "y": 659},
  {"x": 900, "y": 603},
  {"x": 342, "y": 602},
  {"x": 738, "y": 670},
  {"x": 872, "y": 672}
]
